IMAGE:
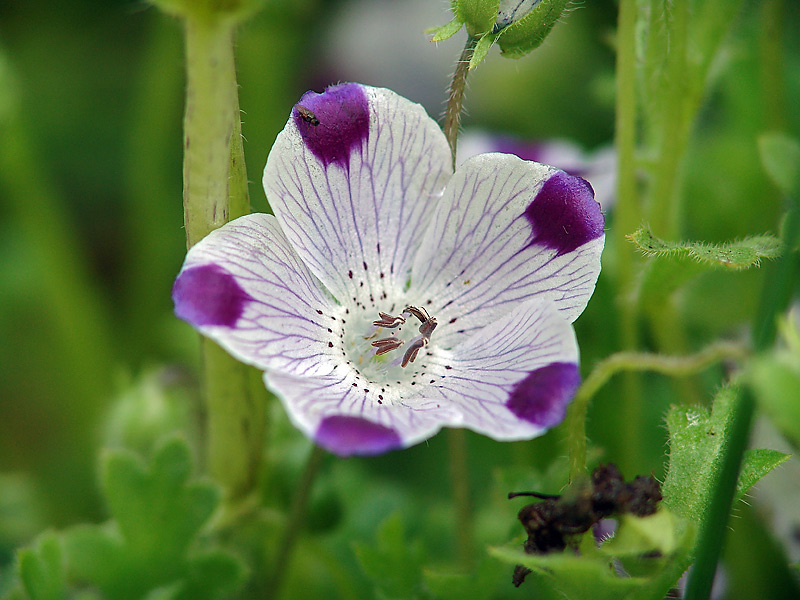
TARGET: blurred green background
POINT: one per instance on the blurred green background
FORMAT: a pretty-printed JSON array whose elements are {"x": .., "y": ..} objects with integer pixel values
[{"x": 91, "y": 100}]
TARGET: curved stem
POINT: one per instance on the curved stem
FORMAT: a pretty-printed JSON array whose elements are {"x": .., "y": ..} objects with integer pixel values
[
  {"x": 633, "y": 361},
  {"x": 455, "y": 101}
]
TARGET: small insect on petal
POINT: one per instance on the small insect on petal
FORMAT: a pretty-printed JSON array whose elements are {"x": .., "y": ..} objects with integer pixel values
[{"x": 307, "y": 116}]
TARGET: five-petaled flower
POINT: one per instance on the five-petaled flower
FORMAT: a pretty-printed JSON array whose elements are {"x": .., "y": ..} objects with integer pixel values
[{"x": 389, "y": 297}]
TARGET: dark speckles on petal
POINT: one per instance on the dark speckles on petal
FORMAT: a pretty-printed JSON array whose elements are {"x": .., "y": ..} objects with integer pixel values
[
  {"x": 342, "y": 122},
  {"x": 344, "y": 435},
  {"x": 564, "y": 214},
  {"x": 542, "y": 397},
  {"x": 208, "y": 295}
]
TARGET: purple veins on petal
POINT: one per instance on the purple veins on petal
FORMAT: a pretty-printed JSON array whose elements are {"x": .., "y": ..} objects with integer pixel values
[
  {"x": 345, "y": 436},
  {"x": 208, "y": 295},
  {"x": 564, "y": 214},
  {"x": 334, "y": 122},
  {"x": 542, "y": 397}
]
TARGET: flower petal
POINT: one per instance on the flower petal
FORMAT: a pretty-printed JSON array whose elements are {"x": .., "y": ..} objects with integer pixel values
[
  {"x": 244, "y": 287},
  {"x": 353, "y": 179},
  {"x": 507, "y": 230},
  {"x": 340, "y": 415},
  {"x": 514, "y": 379}
]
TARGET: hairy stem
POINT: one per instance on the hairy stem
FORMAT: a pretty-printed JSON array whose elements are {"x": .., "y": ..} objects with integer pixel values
[
  {"x": 627, "y": 216},
  {"x": 455, "y": 101},
  {"x": 215, "y": 191},
  {"x": 633, "y": 361}
]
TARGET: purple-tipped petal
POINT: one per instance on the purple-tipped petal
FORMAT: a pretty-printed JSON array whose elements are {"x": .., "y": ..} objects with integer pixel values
[
  {"x": 333, "y": 124},
  {"x": 244, "y": 287},
  {"x": 477, "y": 261},
  {"x": 564, "y": 214},
  {"x": 208, "y": 295},
  {"x": 491, "y": 378},
  {"x": 346, "y": 436},
  {"x": 357, "y": 228},
  {"x": 542, "y": 397},
  {"x": 347, "y": 414}
]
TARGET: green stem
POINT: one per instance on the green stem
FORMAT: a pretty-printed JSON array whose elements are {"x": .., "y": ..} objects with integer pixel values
[
  {"x": 455, "y": 101},
  {"x": 294, "y": 522},
  {"x": 712, "y": 531},
  {"x": 215, "y": 191},
  {"x": 674, "y": 126},
  {"x": 627, "y": 216},
  {"x": 632, "y": 361},
  {"x": 456, "y": 438},
  {"x": 459, "y": 478},
  {"x": 774, "y": 300}
]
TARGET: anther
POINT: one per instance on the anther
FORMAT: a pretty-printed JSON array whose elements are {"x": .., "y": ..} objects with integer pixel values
[
  {"x": 413, "y": 350},
  {"x": 420, "y": 313},
  {"x": 389, "y": 321},
  {"x": 387, "y": 345},
  {"x": 426, "y": 329}
]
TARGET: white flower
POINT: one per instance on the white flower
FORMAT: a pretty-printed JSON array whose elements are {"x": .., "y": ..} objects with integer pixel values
[{"x": 388, "y": 297}]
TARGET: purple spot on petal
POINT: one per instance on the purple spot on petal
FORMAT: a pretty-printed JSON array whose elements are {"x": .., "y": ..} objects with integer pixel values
[
  {"x": 334, "y": 122},
  {"x": 564, "y": 214},
  {"x": 542, "y": 397},
  {"x": 208, "y": 295},
  {"x": 353, "y": 435}
]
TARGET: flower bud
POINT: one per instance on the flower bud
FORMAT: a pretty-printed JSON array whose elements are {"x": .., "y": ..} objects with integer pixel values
[{"x": 523, "y": 24}]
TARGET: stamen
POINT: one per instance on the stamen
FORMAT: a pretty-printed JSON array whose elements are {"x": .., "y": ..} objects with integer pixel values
[
  {"x": 426, "y": 329},
  {"x": 414, "y": 349},
  {"x": 389, "y": 321},
  {"x": 387, "y": 345},
  {"x": 420, "y": 313}
]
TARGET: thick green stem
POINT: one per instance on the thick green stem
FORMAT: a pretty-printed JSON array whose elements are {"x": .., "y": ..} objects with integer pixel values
[
  {"x": 712, "y": 531},
  {"x": 675, "y": 126},
  {"x": 215, "y": 191},
  {"x": 631, "y": 361},
  {"x": 455, "y": 102},
  {"x": 627, "y": 216}
]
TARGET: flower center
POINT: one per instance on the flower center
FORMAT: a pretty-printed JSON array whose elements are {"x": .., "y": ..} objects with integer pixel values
[{"x": 373, "y": 351}]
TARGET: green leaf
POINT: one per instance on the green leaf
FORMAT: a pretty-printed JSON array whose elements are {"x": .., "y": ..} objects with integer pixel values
[
  {"x": 394, "y": 565},
  {"x": 483, "y": 581},
  {"x": 576, "y": 577},
  {"x": 734, "y": 255},
  {"x": 158, "y": 512},
  {"x": 445, "y": 31},
  {"x": 697, "y": 441},
  {"x": 756, "y": 463},
  {"x": 41, "y": 569},
  {"x": 780, "y": 155},
  {"x": 212, "y": 575},
  {"x": 775, "y": 379},
  {"x": 482, "y": 49},
  {"x": 636, "y": 536}
]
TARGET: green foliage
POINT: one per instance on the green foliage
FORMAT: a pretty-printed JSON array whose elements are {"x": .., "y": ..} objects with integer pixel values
[
  {"x": 734, "y": 255},
  {"x": 698, "y": 441},
  {"x": 145, "y": 550},
  {"x": 527, "y": 33},
  {"x": 775, "y": 378},
  {"x": 393, "y": 564},
  {"x": 41, "y": 569},
  {"x": 780, "y": 155}
]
